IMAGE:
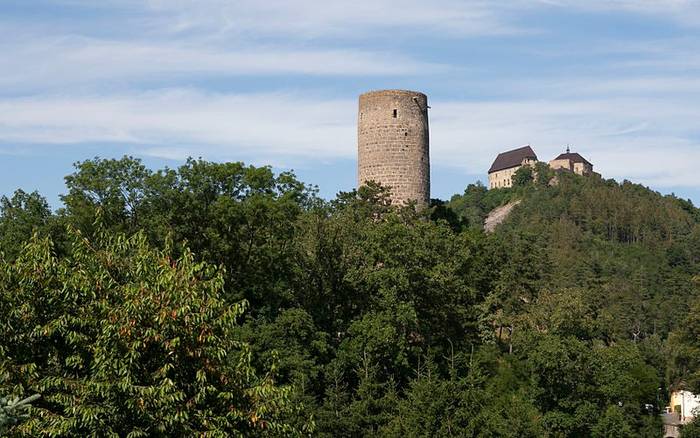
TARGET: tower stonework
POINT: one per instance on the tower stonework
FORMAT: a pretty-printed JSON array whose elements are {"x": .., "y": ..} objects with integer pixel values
[{"x": 393, "y": 144}]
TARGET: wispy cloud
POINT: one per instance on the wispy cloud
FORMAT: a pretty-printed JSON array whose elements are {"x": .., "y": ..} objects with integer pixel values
[
  {"x": 178, "y": 123},
  {"x": 359, "y": 19},
  {"x": 46, "y": 63},
  {"x": 684, "y": 11},
  {"x": 363, "y": 19},
  {"x": 148, "y": 80},
  {"x": 649, "y": 140},
  {"x": 625, "y": 137}
]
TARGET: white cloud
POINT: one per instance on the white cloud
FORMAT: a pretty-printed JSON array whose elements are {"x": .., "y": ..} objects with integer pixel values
[
  {"x": 177, "y": 123},
  {"x": 367, "y": 19},
  {"x": 631, "y": 120},
  {"x": 359, "y": 19},
  {"x": 312, "y": 20},
  {"x": 686, "y": 12},
  {"x": 187, "y": 39},
  {"x": 640, "y": 6},
  {"x": 647, "y": 140},
  {"x": 77, "y": 61},
  {"x": 650, "y": 141}
]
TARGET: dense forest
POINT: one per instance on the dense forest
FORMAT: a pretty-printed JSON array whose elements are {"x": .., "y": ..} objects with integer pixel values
[{"x": 227, "y": 300}]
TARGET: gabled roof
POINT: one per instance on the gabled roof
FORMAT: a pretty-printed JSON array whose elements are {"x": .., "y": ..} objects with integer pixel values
[
  {"x": 574, "y": 157},
  {"x": 513, "y": 158}
]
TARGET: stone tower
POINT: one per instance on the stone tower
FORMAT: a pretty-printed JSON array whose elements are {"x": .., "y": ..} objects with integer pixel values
[{"x": 392, "y": 144}]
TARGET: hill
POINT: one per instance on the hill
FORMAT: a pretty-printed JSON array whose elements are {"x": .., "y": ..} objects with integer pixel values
[{"x": 637, "y": 249}]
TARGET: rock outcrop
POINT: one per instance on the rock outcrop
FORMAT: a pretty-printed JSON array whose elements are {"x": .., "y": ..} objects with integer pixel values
[{"x": 498, "y": 215}]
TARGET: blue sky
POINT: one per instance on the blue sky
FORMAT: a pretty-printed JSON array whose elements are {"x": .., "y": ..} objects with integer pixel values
[{"x": 276, "y": 82}]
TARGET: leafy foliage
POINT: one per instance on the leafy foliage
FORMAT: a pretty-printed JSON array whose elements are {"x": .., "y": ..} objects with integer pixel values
[
  {"x": 12, "y": 411},
  {"x": 221, "y": 299},
  {"x": 122, "y": 340},
  {"x": 690, "y": 430},
  {"x": 523, "y": 176},
  {"x": 20, "y": 216}
]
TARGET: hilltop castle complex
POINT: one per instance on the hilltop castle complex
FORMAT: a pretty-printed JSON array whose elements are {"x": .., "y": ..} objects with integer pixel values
[
  {"x": 393, "y": 148},
  {"x": 507, "y": 163}
]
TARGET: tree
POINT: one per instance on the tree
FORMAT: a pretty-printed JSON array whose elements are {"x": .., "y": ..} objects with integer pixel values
[
  {"x": 523, "y": 176},
  {"x": 12, "y": 411},
  {"x": 20, "y": 216},
  {"x": 684, "y": 349},
  {"x": 613, "y": 424},
  {"x": 691, "y": 430},
  {"x": 224, "y": 299},
  {"x": 543, "y": 174},
  {"x": 120, "y": 339},
  {"x": 116, "y": 187},
  {"x": 477, "y": 202},
  {"x": 230, "y": 214}
]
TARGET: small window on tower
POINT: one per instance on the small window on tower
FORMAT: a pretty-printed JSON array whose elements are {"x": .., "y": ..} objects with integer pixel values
[{"x": 396, "y": 112}]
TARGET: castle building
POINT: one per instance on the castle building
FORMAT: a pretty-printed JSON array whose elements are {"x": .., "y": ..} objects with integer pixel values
[
  {"x": 507, "y": 163},
  {"x": 572, "y": 162},
  {"x": 393, "y": 144}
]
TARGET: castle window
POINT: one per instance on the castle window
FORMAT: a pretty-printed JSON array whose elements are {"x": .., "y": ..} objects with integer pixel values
[{"x": 396, "y": 112}]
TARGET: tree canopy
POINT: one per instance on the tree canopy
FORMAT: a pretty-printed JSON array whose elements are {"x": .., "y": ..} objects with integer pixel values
[{"x": 221, "y": 299}]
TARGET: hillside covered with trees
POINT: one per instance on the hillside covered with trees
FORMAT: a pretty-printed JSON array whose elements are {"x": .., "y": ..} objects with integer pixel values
[{"x": 225, "y": 300}]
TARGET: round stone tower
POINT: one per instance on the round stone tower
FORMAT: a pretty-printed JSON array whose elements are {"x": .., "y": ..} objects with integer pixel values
[{"x": 392, "y": 144}]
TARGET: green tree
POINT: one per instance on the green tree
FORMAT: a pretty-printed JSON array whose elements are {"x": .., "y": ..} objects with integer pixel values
[
  {"x": 477, "y": 202},
  {"x": 684, "y": 349},
  {"x": 691, "y": 430},
  {"x": 115, "y": 186},
  {"x": 543, "y": 174},
  {"x": 524, "y": 176},
  {"x": 230, "y": 214},
  {"x": 13, "y": 411},
  {"x": 120, "y": 339},
  {"x": 363, "y": 318},
  {"x": 613, "y": 424},
  {"x": 20, "y": 216}
]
